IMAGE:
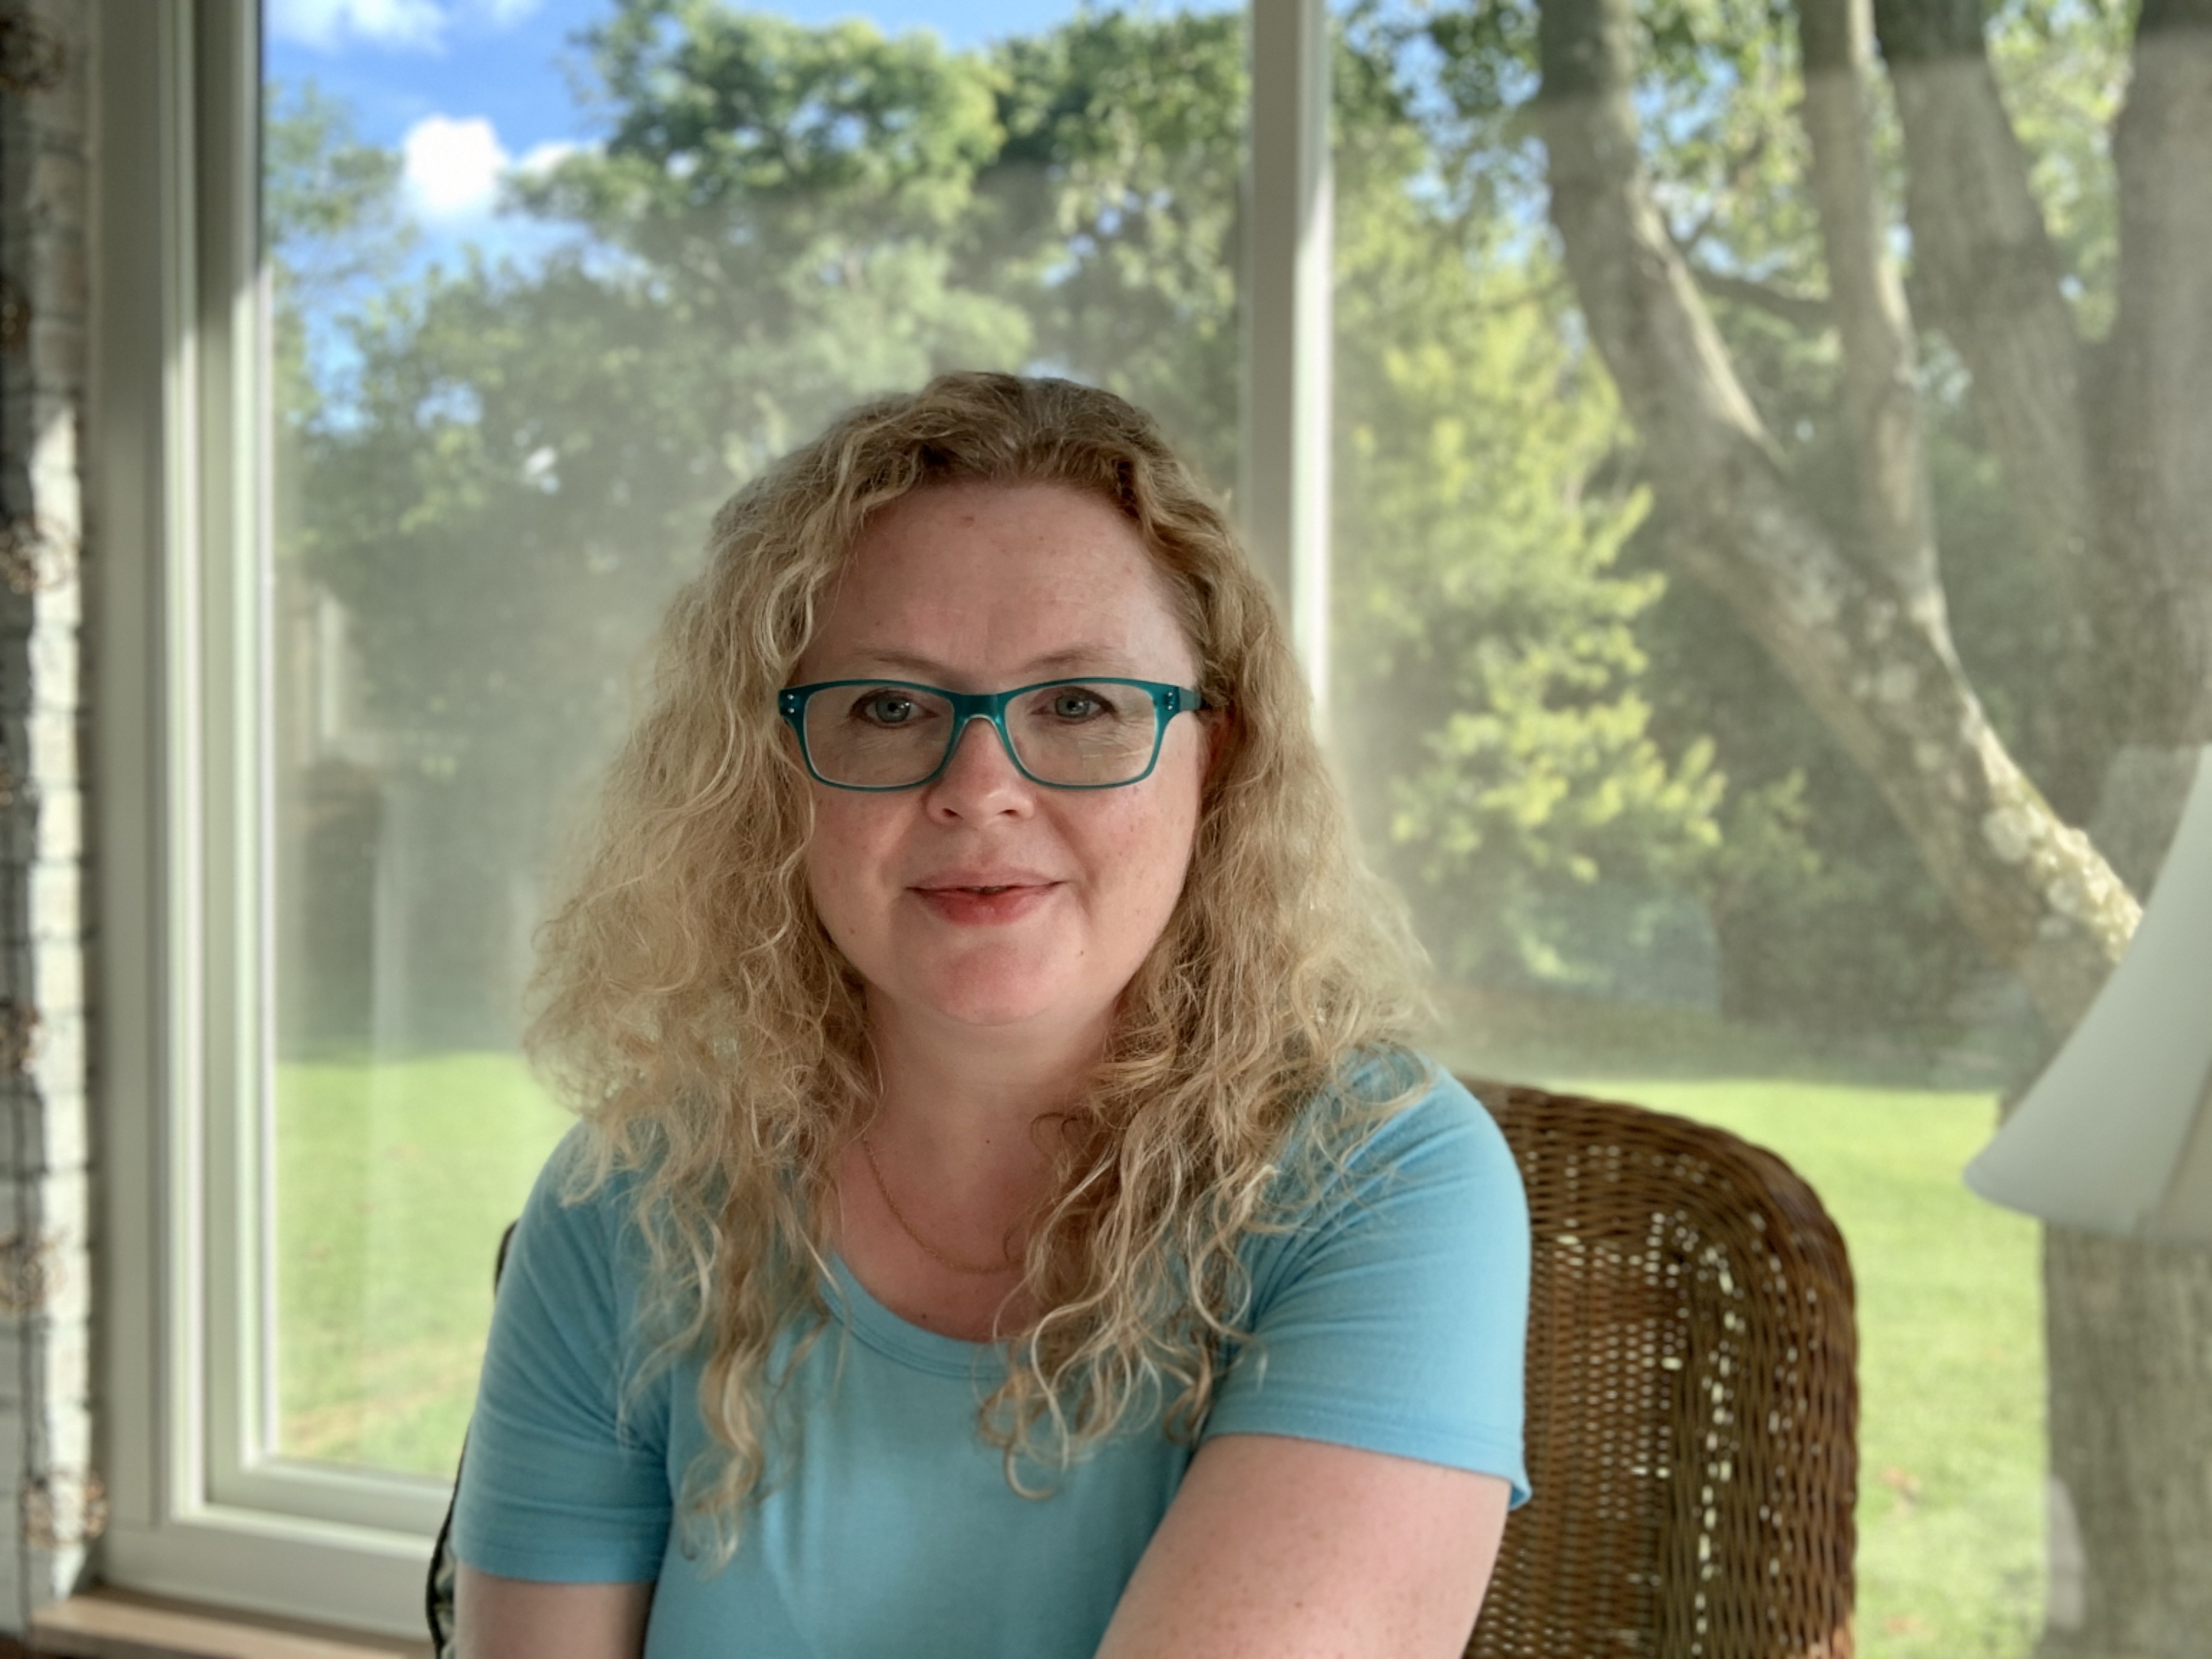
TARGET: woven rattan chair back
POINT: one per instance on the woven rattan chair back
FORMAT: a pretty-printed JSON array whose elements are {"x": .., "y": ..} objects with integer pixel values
[{"x": 1692, "y": 1397}]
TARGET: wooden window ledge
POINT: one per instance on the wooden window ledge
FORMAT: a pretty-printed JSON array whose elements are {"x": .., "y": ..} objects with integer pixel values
[{"x": 114, "y": 1624}]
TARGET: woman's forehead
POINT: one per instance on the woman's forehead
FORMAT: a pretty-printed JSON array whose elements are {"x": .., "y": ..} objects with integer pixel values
[{"x": 997, "y": 578}]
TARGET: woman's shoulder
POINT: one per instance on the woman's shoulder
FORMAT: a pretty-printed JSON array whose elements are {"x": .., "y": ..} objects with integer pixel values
[
  {"x": 1396, "y": 1147},
  {"x": 578, "y": 1178},
  {"x": 1397, "y": 1109},
  {"x": 581, "y": 1215}
]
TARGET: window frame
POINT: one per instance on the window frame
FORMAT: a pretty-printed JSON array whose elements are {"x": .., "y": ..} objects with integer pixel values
[
  {"x": 178, "y": 427},
  {"x": 180, "y": 730}
]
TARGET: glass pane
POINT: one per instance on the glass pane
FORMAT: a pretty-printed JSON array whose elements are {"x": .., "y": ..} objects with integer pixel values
[
  {"x": 538, "y": 316},
  {"x": 1689, "y": 834}
]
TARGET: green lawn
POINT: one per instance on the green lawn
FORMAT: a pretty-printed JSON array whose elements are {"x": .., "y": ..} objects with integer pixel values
[{"x": 394, "y": 1183}]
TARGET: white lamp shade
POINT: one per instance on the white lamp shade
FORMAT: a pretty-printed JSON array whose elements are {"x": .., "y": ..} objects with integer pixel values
[{"x": 2116, "y": 1135}]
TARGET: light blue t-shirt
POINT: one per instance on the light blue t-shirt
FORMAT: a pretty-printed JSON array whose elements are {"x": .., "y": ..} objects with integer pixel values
[{"x": 1393, "y": 1318}]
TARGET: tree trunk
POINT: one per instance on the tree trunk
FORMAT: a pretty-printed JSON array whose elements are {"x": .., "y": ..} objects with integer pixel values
[
  {"x": 2033, "y": 890},
  {"x": 2129, "y": 1325},
  {"x": 2156, "y": 476}
]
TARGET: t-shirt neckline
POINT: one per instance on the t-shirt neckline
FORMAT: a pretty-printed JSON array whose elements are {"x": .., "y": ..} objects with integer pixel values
[{"x": 902, "y": 1340}]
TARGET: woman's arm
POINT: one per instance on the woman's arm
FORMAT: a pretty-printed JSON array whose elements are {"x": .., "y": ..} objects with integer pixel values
[
  {"x": 516, "y": 1618},
  {"x": 1291, "y": 1548}
]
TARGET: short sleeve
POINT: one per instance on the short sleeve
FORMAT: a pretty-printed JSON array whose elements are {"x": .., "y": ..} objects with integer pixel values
[
  {"x": 559, "y": 1481},
  {"x": 1395, "y": 1317}
]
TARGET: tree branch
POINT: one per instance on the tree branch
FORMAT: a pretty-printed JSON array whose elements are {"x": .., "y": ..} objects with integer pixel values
[
  {"x": 1807, "y": 312},
  {"x": 1881, "y": 395},
  {"x": 2034, "y": 892},
  {"x": 1989, "y": 276}
]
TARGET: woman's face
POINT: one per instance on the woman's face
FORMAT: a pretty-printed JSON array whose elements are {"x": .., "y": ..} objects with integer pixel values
[{"x": 981, "y": 899}]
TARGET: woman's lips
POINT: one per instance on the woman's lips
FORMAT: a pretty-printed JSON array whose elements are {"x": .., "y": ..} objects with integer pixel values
[{"x": 984, "y": 904}]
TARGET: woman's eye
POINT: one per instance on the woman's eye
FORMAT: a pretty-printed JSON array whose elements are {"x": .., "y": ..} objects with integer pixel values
[
  {"x": 1074, "y": 705},
  {"x": 886, "y": 708}
]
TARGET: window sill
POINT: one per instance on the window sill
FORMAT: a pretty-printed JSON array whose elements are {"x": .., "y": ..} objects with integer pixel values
[{"x": 114, "y": 1624}]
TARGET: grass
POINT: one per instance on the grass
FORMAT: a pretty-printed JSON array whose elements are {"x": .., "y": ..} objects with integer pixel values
[{"x": 395, "y": 1181}]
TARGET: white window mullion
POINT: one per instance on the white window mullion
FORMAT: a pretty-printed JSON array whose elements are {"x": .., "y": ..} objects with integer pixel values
[
  {"x": 1284, "y": 494},
  {"x": 228, "y": 331}
]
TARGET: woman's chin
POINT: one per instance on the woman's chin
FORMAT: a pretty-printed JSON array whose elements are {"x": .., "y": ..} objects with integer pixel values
[
  {"x": 1000, "y": 995},
  {"x": 998, "y": 1008}
]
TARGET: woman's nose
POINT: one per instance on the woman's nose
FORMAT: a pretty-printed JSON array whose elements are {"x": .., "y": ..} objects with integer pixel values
[{"x": 980, "y": 780}]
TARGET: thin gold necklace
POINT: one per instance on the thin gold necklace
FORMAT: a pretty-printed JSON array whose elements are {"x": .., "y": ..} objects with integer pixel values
[{"x": 907, "y": 1227}]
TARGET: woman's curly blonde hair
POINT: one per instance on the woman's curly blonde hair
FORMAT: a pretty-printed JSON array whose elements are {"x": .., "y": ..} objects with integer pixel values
[{"x": 695, "y": 1012}]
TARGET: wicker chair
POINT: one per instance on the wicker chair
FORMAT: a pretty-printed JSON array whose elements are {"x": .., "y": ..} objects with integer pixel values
[{"x": 1692, "y": 1397}]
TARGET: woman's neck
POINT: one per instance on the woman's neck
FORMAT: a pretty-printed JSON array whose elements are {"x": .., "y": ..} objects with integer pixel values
[{"x": 962, "y": 1106}]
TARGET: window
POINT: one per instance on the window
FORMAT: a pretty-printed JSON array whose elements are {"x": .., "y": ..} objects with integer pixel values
[{"x": 453, "y": 368}]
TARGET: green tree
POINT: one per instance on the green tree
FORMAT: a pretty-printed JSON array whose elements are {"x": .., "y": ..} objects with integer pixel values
[
  {"x": 1726, "y": 159},
  {"x": 783, "y": 220},
  {"x": 1125, "y": 139},
  {"x": 1487, "y": 664}
]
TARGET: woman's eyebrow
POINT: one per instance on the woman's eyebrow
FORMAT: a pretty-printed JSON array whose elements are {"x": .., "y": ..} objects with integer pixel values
[{"x": 1070, "y": 659}]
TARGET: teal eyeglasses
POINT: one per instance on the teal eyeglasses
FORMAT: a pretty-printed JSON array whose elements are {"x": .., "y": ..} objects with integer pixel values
[{"x": 1065, "y": 734}]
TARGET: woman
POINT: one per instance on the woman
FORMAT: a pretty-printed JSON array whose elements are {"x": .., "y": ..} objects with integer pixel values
[{"x": 1005, "y": 1219}]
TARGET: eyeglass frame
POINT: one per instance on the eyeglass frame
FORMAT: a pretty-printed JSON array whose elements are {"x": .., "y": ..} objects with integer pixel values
[{"x": 1169, "y": 700}]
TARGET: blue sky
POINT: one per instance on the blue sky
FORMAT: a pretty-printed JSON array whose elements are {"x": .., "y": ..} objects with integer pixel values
[
  {"x": 400, "y": 62},
  {"x": 467, "y": 89}
]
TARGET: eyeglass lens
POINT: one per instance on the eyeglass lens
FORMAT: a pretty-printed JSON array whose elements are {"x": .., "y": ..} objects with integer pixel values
[{"x": 1073, "y": 732}]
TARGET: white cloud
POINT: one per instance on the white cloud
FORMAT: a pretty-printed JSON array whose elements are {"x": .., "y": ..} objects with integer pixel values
[
  {"x": 541, "y": 159},
  {"x": 505, "y": 13},
  {"x": 323, "y": 24},
  {"x": 451, "y": 168}
]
